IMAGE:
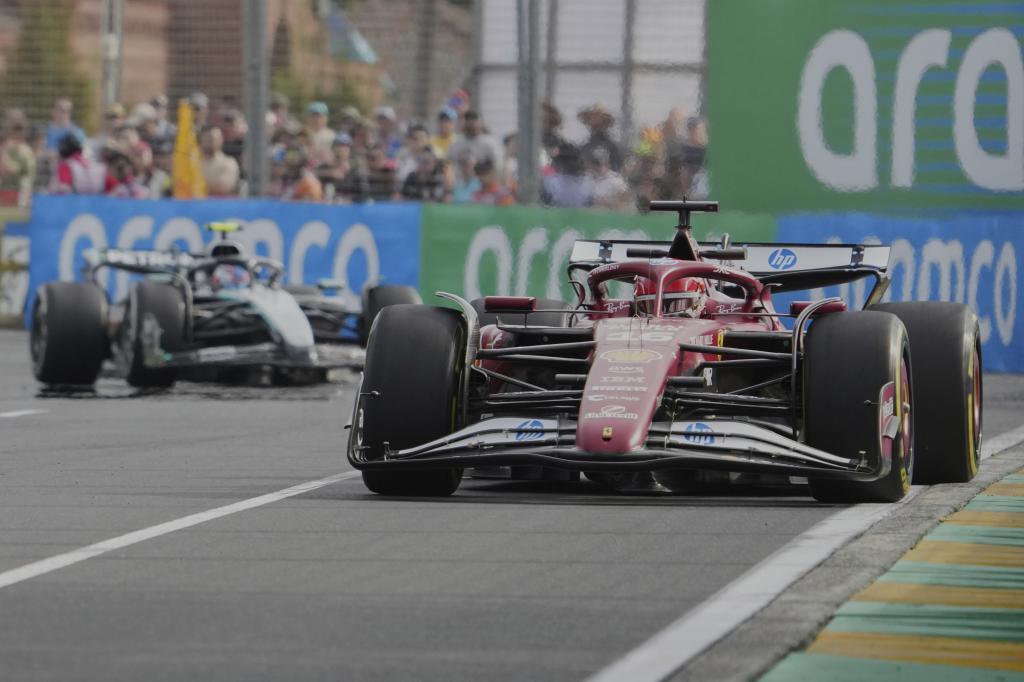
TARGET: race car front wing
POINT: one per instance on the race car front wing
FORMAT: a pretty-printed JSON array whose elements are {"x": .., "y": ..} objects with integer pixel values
[
  {"x": 713, "y": 444},
  {"x": 319, "y": 356}
]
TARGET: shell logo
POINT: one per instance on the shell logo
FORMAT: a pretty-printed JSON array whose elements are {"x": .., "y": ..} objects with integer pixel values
[{"x": 630, "y": 355}]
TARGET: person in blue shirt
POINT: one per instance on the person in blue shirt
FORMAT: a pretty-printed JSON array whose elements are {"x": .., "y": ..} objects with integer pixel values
[{"x": 61, "y": 124}]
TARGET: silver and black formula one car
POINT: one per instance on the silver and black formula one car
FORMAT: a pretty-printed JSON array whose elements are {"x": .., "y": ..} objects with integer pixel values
[
  {"x": 211, "y": 316},
  {"x": 673, "y": 364}
]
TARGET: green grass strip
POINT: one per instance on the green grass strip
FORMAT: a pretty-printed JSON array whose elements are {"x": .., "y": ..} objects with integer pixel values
[
  {"x": 827, "y": 668},
  {"x": 932, "y": 620}
]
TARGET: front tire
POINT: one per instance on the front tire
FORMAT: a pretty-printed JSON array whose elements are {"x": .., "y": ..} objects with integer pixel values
[
  {"x": 412, "y": 386},
  {"x": 375, "y": 299},
  {"x": 946, "y": 345},
  {"x": 152, "y": 303},
  {"x": 68, "y": 339},
  {"x": 850, "y": 359}
]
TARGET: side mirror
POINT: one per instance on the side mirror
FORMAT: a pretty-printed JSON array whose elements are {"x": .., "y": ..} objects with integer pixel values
[{"x": 507, "y": 304}]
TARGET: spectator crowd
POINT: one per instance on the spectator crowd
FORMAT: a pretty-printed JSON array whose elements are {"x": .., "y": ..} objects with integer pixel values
[{"x": 347, "y": 157}]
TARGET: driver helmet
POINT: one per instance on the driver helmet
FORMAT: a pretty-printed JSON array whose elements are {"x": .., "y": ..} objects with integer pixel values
[
  {"x": 684, "y": 296},
  {"x": 229, "y": 276}
]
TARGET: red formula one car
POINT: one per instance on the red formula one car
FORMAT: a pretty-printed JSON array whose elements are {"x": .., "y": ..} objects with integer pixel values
[{"x": 673, "y": 363}]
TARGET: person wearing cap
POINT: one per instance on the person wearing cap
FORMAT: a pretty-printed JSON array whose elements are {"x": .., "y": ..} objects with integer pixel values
[
  {"x": 551, "y": 128},
  {"x": 298, "y": 182},
  {"x": 417, "y": 140},
  {"x": 128, "y": 140},
  {"x": 320, "y": 135},
  {"x": 278, "y": 114},
  {"x": 158, "y": 180},
  {"x": 144, "y": 120},
  {"x": 113, "y": 118},
  {"x": 200, "y": 104},
  {"x": 165, "y": 130},
  {"x": 387, "y": 130},
  {"x": 491, "y": 192},
  {"x": 599, "y": 121},
  {"x": 446, "y": 119},
  {"x": 348, "y": 119},
  {"x": 61, "y": 124},
  {"x": 426, "y": 181},
  {"x": 332, "y": 173},
  {"x": 466, "y": 182},
  {"x": 17, "y": 161},
  {"x": 476, "y": 143}
]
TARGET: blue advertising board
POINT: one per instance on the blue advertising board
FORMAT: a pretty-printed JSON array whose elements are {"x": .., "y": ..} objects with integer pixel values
[
  {"x": 971, "y": 258},
  {"x": 353, "y": 244}
]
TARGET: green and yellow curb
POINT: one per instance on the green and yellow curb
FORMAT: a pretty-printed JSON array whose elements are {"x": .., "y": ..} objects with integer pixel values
[{"x": 951, "y": 609}]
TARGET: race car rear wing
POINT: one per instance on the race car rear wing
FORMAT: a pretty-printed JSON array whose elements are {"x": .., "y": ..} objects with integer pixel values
[{"x": 792, "y": 267}]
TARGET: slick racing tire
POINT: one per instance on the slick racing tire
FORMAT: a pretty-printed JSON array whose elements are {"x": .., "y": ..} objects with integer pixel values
[
  {"x": 945, "y": 343},
  {"x": 555, "y": 319},
  {"x": 412, "y": 386},
  {"x": 150, "y": 302},
  {"x": 850, "y": 359},
  {"x": 68, "y": 338},
  {"x": 377, "y": 298}
]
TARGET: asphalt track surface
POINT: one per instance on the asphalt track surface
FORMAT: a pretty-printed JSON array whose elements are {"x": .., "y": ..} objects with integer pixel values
[{"x": 504, "y": 581}]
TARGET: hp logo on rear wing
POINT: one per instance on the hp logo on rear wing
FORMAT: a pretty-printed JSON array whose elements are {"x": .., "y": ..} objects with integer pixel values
[{"x": 782, "y": 259}]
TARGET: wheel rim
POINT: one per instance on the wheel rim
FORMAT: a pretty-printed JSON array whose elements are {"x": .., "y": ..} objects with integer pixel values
[
  {"x": 38, "y": 336},
  {"x": 906, "y": 422},
  {"x": 128, "y": 333},
  {"x": 976, "y": 407}
]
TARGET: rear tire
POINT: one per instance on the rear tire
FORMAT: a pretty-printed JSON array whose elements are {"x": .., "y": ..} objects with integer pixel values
[
  {"x": 414, "y": 361},
  {"x": 68, "y": 339},
  {"x": 377, "y": 298},
  {"x": 945, "y": 343},
  {"x": 848, "y": 359},
  {"x": 165, "y": 305}
]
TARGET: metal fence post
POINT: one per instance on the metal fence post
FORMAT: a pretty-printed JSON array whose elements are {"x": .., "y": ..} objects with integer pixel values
[
  {"x": 551, "y": 53},
  {"x": 528, "y": 23},
  {"x": 628, "y": 70},
  {"x": 111, "y": 41},
  {"x": 425, "y": 59},
  {"x": 256, "y": 93}
]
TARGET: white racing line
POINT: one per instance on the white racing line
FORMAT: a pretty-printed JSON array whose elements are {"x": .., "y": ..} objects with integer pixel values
[
  {"x": 21, "y": 413},
  {"x": 679, "y": 643},
  {"x": 54, "y": 563}
]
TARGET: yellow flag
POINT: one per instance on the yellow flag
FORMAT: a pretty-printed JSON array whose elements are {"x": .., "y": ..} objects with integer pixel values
[{"x": 187, "y": 172}]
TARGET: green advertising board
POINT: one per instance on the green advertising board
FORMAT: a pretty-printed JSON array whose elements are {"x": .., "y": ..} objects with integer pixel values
[
  {"x": 866, "y": 105},
  {"x": 475, "y": 251}
]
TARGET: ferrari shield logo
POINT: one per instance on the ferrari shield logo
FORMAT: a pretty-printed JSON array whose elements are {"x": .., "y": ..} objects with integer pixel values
[{"x": 606, "y": 433}]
